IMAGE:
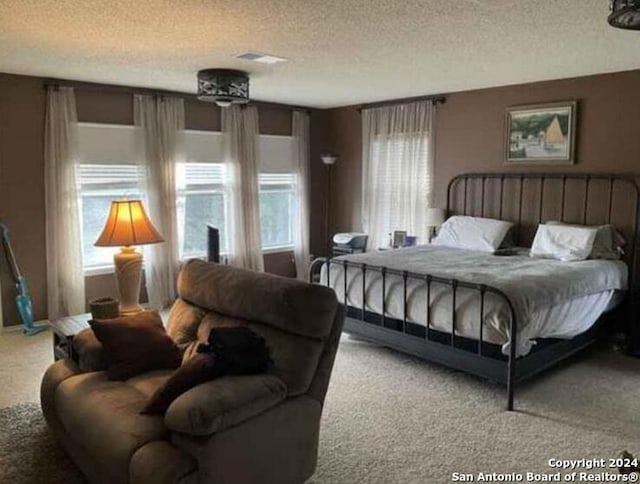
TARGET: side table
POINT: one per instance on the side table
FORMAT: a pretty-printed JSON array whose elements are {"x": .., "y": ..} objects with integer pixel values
[{"x": 64, "y": 329}]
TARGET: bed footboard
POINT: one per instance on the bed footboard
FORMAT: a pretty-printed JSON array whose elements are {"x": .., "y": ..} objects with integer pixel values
[{"x": 445, "y": 352}]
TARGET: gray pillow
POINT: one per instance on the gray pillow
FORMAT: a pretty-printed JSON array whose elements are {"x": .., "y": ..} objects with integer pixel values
[{"x": 608, "y": 243}]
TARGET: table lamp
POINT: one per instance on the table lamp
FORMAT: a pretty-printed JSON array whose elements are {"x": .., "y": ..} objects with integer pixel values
[
  {"x": 128, "y": 225},
  {"x": 434, "y": 218}
]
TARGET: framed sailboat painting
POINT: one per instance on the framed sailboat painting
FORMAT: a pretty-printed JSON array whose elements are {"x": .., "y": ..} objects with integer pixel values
[{"x": 541, "y": 134}]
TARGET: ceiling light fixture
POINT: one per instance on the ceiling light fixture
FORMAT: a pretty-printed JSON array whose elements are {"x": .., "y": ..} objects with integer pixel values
[
  {"x": 223, "y": 86},
  {"x": 625, "y": 14}
]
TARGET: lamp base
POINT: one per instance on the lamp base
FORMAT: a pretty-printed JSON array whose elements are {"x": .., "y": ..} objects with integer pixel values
[{"x": 128, "y": 264}]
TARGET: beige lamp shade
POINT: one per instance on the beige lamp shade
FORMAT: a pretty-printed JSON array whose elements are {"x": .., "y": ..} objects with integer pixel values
[
  {"x": 127, "y": 225},
  {"x": 435, "y": 217}
]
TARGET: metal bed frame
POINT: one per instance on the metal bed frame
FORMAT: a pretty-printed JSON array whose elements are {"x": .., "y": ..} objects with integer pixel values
[{"x": 479, "y": 357}]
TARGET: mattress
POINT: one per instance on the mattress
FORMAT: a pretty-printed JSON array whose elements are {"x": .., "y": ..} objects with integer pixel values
[{"x": 551, "y": 299}]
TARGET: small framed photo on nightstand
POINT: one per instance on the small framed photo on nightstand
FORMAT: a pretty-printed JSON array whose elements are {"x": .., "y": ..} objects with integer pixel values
[{"x": 399, "y": 238}]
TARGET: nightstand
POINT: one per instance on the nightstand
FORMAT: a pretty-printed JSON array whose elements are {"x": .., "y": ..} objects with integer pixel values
[{"x": 338, "y": 251}]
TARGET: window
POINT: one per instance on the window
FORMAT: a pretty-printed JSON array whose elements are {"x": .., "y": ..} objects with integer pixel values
[
  {"x": 99, "y": 186},
  {"x": 278, "y": 191},
  {"x": 203, "y": 187},
  {"x": 399, "y": 184},
  {"x": 277, "y": 209},
  {"x": 109, "y": 155},
  {"x": 397, "y": 171},
  {"x": 201, "y": 201},
  {"x": 108, "y": 170}
]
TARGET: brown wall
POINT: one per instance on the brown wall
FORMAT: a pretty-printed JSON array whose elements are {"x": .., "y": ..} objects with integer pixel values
[
  {"x": 470, "y": 135},
  {"x": 22, "y": 102},
  {"x": 347, "y": 172},
  {"x": 22, "y": 207}
]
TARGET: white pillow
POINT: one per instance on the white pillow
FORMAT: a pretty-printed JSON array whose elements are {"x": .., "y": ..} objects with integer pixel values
[
  {"x": 608, "y": 243},
  {"x": 563, "y": 242},
  {"x": 473, "y": 233}
]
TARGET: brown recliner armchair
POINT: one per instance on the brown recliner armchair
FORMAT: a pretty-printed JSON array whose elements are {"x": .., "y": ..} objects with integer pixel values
[{"x": 238, "y": 429}]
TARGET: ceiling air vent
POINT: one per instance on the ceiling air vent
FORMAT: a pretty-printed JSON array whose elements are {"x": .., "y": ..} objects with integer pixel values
[{"x": 261, "y": 58}]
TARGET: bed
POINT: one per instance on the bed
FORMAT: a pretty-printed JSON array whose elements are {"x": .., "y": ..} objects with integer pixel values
[{"x": 501, "y": 317}]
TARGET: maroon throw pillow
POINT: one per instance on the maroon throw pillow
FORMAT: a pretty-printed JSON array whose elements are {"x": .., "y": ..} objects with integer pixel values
[
  {"x": 135, "y": 344},
  {"x": 200, "y": 368}
]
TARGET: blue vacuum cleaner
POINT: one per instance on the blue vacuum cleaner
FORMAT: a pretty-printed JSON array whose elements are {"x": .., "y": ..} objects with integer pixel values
[{"x": 23, "y": 299}]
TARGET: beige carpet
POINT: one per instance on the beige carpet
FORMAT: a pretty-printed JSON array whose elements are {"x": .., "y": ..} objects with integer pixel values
[
  {"x": 23, "y": 361},
  {"x": 390, "y": 418}
]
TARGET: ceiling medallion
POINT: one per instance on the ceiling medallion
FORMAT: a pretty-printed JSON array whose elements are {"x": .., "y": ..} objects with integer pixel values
[
  {"x": 625, "y": 14},
  {"x": 223, "y": 86}
]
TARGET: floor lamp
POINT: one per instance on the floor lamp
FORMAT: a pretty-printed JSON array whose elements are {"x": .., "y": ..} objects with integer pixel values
[
  {"x": 128, "y": 225},
  {"x": 329, "y": 160}
]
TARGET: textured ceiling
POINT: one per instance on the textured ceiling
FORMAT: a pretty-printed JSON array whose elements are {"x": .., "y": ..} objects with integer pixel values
[{"x": 341, "y": 51}]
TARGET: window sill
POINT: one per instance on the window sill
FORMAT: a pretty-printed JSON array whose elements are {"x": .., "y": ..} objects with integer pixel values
[
  {"x": 271, "y": 250},
  {"x": 99, "y": 270},
  {"x": 110, "y": 269},
  {"x": 277, "y": 250}
]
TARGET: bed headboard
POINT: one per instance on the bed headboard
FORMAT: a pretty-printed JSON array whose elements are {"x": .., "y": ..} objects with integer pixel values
[{"x": 529, "y": 199}]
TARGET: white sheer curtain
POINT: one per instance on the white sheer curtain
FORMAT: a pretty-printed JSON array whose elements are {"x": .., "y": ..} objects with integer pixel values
[
  {"x": 240, "y": 130},
  {"x": 162, "y": 122},
  {"x": 300, "y": 132},
  {"x": 65, "y": 275},
  {"x": 397, "y": 176}
]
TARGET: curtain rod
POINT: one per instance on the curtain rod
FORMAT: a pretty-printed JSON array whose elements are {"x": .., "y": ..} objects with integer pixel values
[
  {"x": 436, "y": 99},
  {"x": 95, "y": 87}
]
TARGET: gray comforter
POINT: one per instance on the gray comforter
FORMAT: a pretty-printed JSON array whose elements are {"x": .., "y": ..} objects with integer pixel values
[{"x": 532, "y": 285}]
